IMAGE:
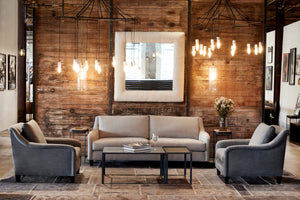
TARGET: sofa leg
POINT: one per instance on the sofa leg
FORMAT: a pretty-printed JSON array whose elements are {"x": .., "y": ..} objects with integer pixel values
[
  {"x": 91, "y": 162},
  {"x": 18, "y": 178},
  {"x": 78, "y": 171},
  {"x": 226, "y": 179},
  {"x": 72, "y": 179},
  {"x": 218, "y": 172},
  {"x": 278, "y": 180}
]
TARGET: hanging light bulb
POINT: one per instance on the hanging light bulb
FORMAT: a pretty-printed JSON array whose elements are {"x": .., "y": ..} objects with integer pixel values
[
  {"x": 193, "y": 50},
  {"x": 97, "y": 66},
  {"x": 76, "y": 64},
  {"x": 86, "y": 65},
  {"x": 248, "y": 49},
  {"x": 201, "y": 49},
  {"x": 218, "y": 43},
  {"x": 59, "y": 67},
  {"x": 114, "y": 62},
  {"x": 212, "y": 78},
  {"x": 234, "y": 45},
  {"x": 255, "y": 49},
  {"x": 260, "y": 48},
  {"x": 212, "y": 44},
  {"x": 209, "y": 52},
  {"x": 197, "y": 44},
  {"x": 204, "y": 51}
]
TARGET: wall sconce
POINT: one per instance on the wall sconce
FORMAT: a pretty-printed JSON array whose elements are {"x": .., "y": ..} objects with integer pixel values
[{"x": 22, "y": 52}]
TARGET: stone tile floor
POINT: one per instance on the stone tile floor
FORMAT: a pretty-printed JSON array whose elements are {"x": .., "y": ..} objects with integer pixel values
[{"x": 142, "y": 184}]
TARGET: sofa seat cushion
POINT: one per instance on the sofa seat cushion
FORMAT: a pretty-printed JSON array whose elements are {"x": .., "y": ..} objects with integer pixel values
[
  {"x": 116, "y": 142},
  {"x": 220, "y": 154},
  {"x": 175, "y": 127},
  {"x": 33, "y": 133},
  {"x": 191, "y": 144},
  {"x": 122, "y": 126},
  {"x": 262, "y": 135}
]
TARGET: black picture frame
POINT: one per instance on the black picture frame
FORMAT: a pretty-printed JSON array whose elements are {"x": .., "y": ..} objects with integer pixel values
[
  {"x": 12, "y": 72},
  {"x": 269, "y": 77},
  {"x": 2, "y": 72},
  {"x": 292, "y": 66},
  {"x": 270, "y": 54},
  {"x": 285, "y": 67}
]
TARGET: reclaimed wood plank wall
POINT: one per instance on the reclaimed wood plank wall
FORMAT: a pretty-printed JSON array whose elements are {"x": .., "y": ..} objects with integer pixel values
[{"x": 59, "y": 105}]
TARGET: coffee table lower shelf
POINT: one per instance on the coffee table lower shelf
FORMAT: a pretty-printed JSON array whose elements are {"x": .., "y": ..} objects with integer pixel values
[{"x": 162, "y": 151}]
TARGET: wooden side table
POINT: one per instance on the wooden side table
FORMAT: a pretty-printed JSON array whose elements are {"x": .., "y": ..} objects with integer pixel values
[
  {"x": 82, "y": 131},
  {"x": 217, "y": 133}
]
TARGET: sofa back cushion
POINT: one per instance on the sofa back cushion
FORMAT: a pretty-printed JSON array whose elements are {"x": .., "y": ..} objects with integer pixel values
[
  {"x": 32, "y": 132},
  {"x": 262, "y": 135},
  {"x": 175, "y": 127},
  {"x": 122, "y": 126}
]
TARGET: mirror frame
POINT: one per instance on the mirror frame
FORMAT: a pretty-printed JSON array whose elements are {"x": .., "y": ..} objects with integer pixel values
[{"x": 174, "y": 95}]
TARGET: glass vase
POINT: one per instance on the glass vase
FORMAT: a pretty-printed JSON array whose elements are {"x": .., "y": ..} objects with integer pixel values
[{"x": 223, "y": 124}]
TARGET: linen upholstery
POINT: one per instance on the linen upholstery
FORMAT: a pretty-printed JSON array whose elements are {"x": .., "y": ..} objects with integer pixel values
[
  {"x": 172, "y": 131},
  {"x": 118, "y": 126},
  {"x": 238, "y": 158},
  {"x": 175, "y": 127},
  {"x": 33, "y": 133},
  {"x": 262, "y": 134},
  {"x": 44, "y": 159}
]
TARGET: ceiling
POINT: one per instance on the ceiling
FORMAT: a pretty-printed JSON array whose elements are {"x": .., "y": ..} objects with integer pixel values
[{"x": 291, "y": 12}]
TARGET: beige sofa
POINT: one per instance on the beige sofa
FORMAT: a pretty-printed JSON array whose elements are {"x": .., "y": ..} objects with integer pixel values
[{"x": 173, "y": 131}]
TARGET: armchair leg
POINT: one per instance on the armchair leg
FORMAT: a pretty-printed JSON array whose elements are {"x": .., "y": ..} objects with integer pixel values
[
  {"x": 278, "y": 180},
  {"x": 218, "y": 172},
  {"x": 226, "y": 179},
  {"x": 78, "y": 171},
  {"x": 18, "y": 178},
  {"x": 91, "y": 162}
]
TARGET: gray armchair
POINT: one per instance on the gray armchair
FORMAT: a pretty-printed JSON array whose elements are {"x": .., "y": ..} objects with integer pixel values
[
  {"x": 35, "y": 155},
  {"x": 262, "y": 155}
]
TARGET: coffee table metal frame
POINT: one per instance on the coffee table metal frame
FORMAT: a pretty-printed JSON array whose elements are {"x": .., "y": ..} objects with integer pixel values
[{"x": 163, "y": 151}]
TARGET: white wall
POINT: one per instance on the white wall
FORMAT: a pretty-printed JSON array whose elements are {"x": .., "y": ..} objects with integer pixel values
[
  {"x": 269, "y": 94},
  {"x": 8, "y": 45},
  {"x": 289, "y": 93}
]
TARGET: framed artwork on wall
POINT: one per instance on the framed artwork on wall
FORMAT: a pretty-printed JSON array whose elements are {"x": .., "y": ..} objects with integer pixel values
[
  {"x": 298, "y": 64},
  {"x": 269, "y": 77},
  {"x": 11, "y": 72},
  {"x": 2, "y": 72},
  {"x": 285, "y": 67},
  {"x": 292, "y": 66},
  {"x": 270, "y": 54}
]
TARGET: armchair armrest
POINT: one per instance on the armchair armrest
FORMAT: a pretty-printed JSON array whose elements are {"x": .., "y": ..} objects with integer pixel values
[
  {"x": 92, "y": 136},
  {"x": 68, "y": 141},
  {"x": 227, "y": 143}
]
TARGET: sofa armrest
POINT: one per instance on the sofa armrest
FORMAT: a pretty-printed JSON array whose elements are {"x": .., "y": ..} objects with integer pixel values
[
  {"x": 68, "y": 141},
  {"x": 227, "y": 143},
  {"x": 92, "y": 136},
  {"x": 204, "y": 136}
]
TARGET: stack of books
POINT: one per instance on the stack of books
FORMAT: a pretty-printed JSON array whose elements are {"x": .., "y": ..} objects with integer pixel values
[{"x": 137, "y": 147}]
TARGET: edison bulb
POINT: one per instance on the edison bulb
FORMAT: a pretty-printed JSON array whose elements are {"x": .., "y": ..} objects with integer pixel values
[
  {"x": 248, "y": 48},
  {"x": 218, "y": 43}
]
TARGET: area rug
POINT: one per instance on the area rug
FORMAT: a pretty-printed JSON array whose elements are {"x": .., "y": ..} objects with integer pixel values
[{"x": 143, "y": 183}]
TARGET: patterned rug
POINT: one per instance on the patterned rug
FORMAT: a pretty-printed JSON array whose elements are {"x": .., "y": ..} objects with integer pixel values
[{"x": 143, "y": 183}]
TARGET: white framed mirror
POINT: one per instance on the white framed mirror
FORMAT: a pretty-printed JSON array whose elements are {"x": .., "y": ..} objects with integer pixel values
[{"x": 149, "y": 66}]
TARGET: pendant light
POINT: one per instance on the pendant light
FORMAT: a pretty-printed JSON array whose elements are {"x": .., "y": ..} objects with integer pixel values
[{"x": 59, "y": 62}]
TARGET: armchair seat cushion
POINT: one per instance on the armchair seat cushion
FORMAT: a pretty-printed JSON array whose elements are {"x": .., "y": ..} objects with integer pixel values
[
  {"x": 116, "y": 142},
  {"x": 191, "y": 144},
  {"x": 220, "y": 154},
  {"x": 33, "y": 133}
]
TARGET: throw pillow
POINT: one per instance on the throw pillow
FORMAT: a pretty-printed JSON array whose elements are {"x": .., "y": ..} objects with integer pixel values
[
  {"x": 262, "y": 135},
  {"x": 32, "y": 132}
]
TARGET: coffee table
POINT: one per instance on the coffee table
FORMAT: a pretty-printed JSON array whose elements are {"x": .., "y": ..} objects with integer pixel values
[
  {"x": 120, "y": 150},
  {"x": 164, "y": 153}
]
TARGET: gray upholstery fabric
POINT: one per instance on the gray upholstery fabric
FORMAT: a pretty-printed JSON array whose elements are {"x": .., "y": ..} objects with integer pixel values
[
  {"x": 175, "y": 127},
  {"x": 116, "y": 142},
  {"x": 262, "y": 134},
  {"x": 33, "y": 133},
  {"x": 237, "y": 158},
  {"x": 191, "y": 144},
  {"x": 42, "y": 159}
]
